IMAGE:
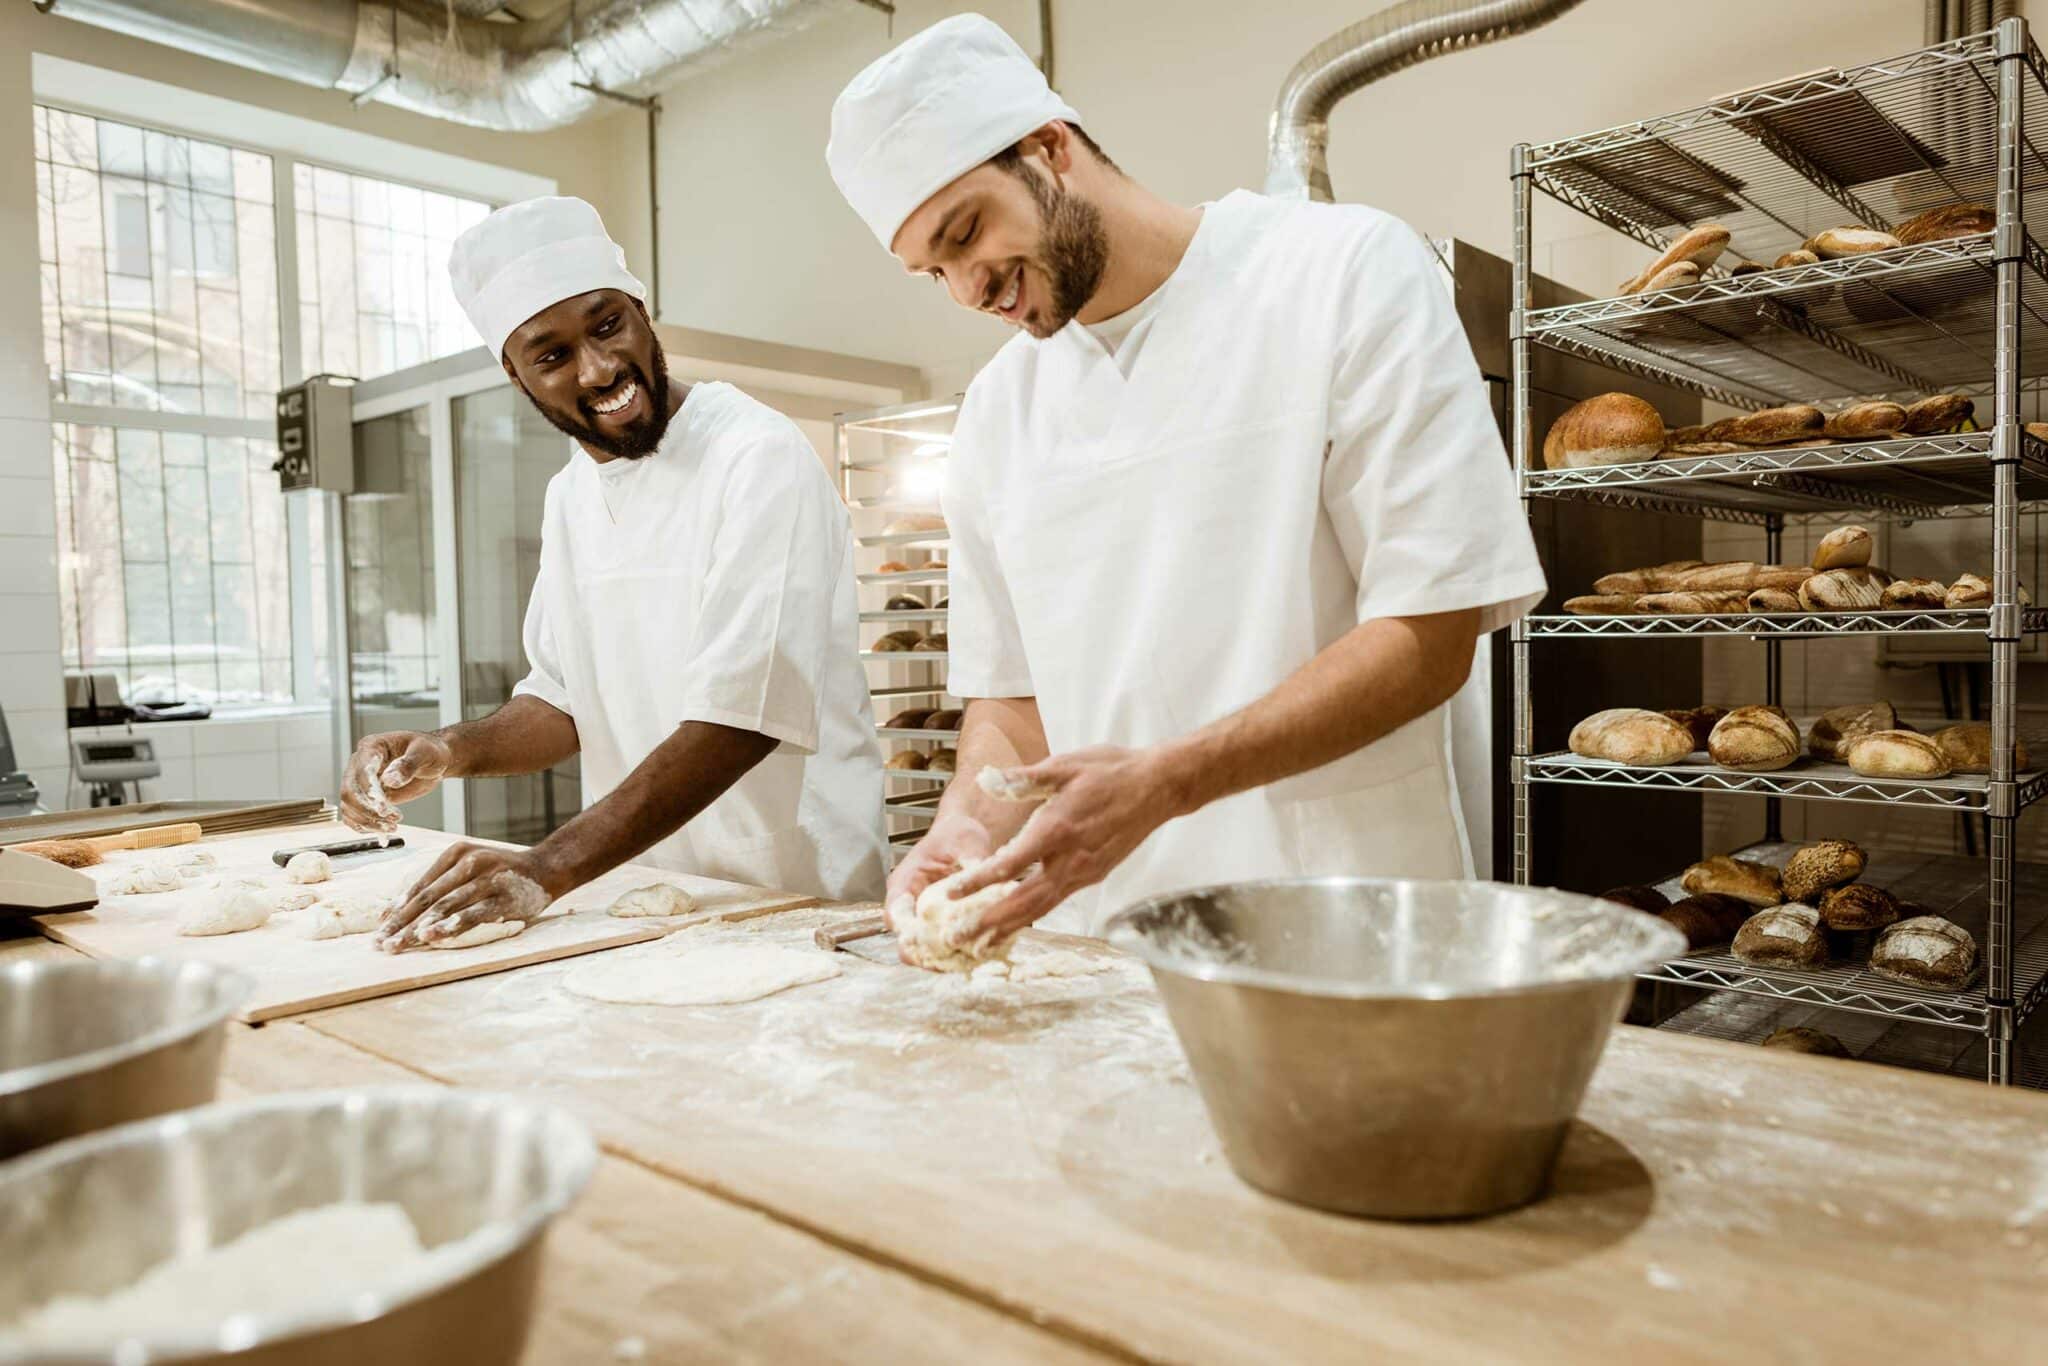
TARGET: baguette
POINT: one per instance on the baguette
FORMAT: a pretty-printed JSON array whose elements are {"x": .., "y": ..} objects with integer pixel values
[
  {"x": 1631, "y": 735},
  {"x": 1967, "y": 746},
  {"x": 1782, "y": 937},
  {"x": 1858, "y": 906},
  {"x": 1693, "y": 603},
  {"x": 1706, "y": 919},
  {"x": 1755, "y": 883},
  {"x": 1940, "y": 413},
  {"x": 1801, "y": 257},
  {"x": 1820, "y": 867},
  {"x": 1950, "y": 220},
  {"x": 1905, "y": 594},
  {"x": 1838, "y": 725},
  {"x": 1704, "y": 448},
  {"x": 1895, "y": 754},
  {"x": 1841, "y": 590},
  {"x": 1855, "y": 240},
  {"x": 1785, "y": 576},
  {"x": 1773, "y": 600},
  {"x": 1606, "y": 429},
  {"x": 1754, "y": 740},
  {"x": 1602, "y": 605},
  {"x": 1865, "y": 421},
  {"x": 1720, "y": 577},
  {"x": 1846, "y": 547},
  {"x": 1701, "y": 246},
  {"x": 1660, "y": 578},
  {"x": 1773, "y": 426},
  {"x": 1926, "y": 951}
]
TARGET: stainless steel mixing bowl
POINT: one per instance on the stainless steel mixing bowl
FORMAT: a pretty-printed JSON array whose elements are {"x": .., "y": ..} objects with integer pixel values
[
  {"x": 1407, "y": 1050},
  {"x": 91, "y": 1043},
  {"x": 89, "y": 1216}
]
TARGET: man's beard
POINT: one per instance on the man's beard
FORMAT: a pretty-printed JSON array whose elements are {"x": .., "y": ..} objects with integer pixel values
[
  {"x": 641, "y": 439},
  {"x": 1072, "y": 253}
]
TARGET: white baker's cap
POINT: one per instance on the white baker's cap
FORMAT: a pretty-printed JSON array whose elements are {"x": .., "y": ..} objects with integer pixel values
[
  {"x": 932, "y": 110},
  {"x": 530, "y": 256}
]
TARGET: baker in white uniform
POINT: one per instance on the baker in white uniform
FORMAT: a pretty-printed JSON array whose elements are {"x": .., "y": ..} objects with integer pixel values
[
  {"x": 693, "y": 628},
  {"x": 1228, "y": 515}
]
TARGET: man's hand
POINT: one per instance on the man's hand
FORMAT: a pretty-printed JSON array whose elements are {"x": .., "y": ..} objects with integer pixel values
[
  {"x": 467, "y": 886},
  {"x": 954, "y": 837},
  {"x": 1105, "y": 802},
  {"x": 396, "y": 766}
]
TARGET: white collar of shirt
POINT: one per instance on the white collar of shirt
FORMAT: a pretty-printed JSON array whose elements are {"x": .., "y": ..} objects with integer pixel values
[{"x": 616, "y": 477}]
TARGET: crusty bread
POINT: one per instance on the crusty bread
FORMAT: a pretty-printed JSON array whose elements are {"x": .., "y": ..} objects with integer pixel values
[
  {"x": 1606, "y": 429},
  {"x": 1723, "y": 576},
  {"x": 1693, "y": 604},
  {"x": 1939, "y": 413},
  {"x": 1894, "y": 754},
  {"x": 1757, "y": 739},
  {"x": 912, "y": 719},
  {"x": 1642, "y": 898},
  {"x": 1926, "y": 950},
  {"x": 944, "y": 759},
  {"x": 1794, "y": 422},
  {"x": 892, "y": 567},
  {"x": 1602, "y": 605},
  {"x": 1773, "y": 600},
  {"x": 1631, "y": 735},
  {"x": 1846, "y": 547},
  {"x": 1707, "y": 919},
  {"x": 1785, "y": 576},
  {"x": 1658, "y": 578},
  {"x": 1703, "y": 448},
  {"x": 1841, "y": 590},
  {"x": 945, "y": 718},
  {"x": 1849, "y": 241},
  {"x": 1816, "y": 867},
  {"x": 1950, "y": 220},
  {"x": 1967, "y": 746},
  {"x": 1675, "y": 435},
  {"x": 1700, "y": 721},
  {"x": 1903, "y": 594},
  {"x": 1755, "y": 883},
  {"x": 1858, "y": 906},
  {"x": 1676, "y": 274},
  {"x": 1838, "y": 725},
  {"x": 1800, "y": 1039},
  {"x": 1782, "y": 937},
  {"x": 1800, "y": 257},
  {"x": 1968, "y": 590},
  {"x": 898, "y": 640},
  {"x": 905, "y": 758},
  {"x": 933, "y": 644},
  {"x": 1701, "y": 246},
  {"x": 1866, "y": 421},
  {"x": 1746, "y": 267}
]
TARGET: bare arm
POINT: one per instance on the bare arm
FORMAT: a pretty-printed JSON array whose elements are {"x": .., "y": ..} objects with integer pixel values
[{"x": 525, "y": 735}]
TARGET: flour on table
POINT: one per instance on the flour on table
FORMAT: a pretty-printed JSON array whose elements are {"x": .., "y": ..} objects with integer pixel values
[
  {"x": 235, "y": 909},
  {"x": 309, "y": 865},
  {"x": 657, "y": 898},
  {"x": 339, "y": 916},
  {"x": 490, "y": 932},
  {"x": 722, "y": 974},
  {"x": 1040, "y": 966},
  {"x": 927, "y": 935}
]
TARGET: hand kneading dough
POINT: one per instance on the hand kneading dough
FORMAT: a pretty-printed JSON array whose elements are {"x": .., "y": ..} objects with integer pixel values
[
  {"x": 927, "y": 937},
  {"x": 342, "y": 915},
  {"x": 243, "y": 908},
  {"x": 308, "y": 865},
  {"x": 656, "y": 898},
  {"x": 490, "y": 932},
  {"x": 723, "y": 974}
]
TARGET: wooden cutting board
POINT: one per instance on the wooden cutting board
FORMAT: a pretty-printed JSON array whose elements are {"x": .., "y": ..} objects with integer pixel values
[{"x": 295, "y": 975}]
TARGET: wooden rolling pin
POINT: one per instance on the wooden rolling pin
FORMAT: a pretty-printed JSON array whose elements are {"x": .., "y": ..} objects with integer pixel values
[
  {"x": 834, "y": 937},
  {"x": 85, "y": 853}
]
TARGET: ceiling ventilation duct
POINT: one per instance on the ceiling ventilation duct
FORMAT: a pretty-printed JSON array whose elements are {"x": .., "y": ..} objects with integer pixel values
[
  {"x": 1298, "y": 137},
  {"x": 444, "y": 57}
]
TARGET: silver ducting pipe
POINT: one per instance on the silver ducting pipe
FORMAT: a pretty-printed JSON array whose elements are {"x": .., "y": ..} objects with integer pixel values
[
  {"x": 437, "y": 58},
  {"x": 1298, "y": 135}
]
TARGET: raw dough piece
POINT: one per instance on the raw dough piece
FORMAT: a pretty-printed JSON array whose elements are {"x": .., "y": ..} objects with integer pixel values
[
  {"x": 998, "y": 784},
  {"x": 656, "y": 898},
  {"x": 194, "y": 865},
  {"x": 144, "y": 879},
  {"x": 343, "y": 915},
  {"x": 722, "y": 974},
  {"x": 490, "y": 932},
  {"x": 235, "y": 910},
  {"x": 309, "y": 865},
  {"x": 926, "y": 936},
  {"x": 294, "y": 901}
]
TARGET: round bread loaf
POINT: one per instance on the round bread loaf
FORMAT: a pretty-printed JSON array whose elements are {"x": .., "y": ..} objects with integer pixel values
[
  {"x": 1858, "y": 906},
  {"x": 1642, "y": 898},
  {"x": 1707, "y": 919},
  {"x": 1926, "y": 950},
  {"x": 1607, "y": 429},
  {"x": 1700, "y": 721},
  {"x": 905, "y": 758},
  {"x": 1844, "y": 547},
  {"x": 1754, "y": 740},
  {"x": 1793, "y": 422},
  {"x": 1849, "y": 241},
  {"x": 1939, "y": 413},
  {"x": 1841, "y": 590},
  {"x": 1754, "y": 883},
  {"x": 1672, "y": 276},
  {"x": 1902, "y": 595},
  {"x": 1950, "y": 220},
  {"x": 933, "y": 644},
  {"x": 943, "y": 759},
  {"x": 1782, "y": 937},
  {"x": 1865, "y": 421},
  {"x": 1967, "y": 746},
  {"x": 912, "y": 719},
  {"x": 1773, "y": 600},
  {"x": 892, "y": 567},
  {"x": 1631, "y": 735},
  {"x": 1816, "y": 867},
  {"x": 1800, "y": 257},
  {"x": 1895, "y": 754},
  {"x": 1838, "y": 724},
  {"x": 904, "y": 602},
  {"x": 945, "y": 719},
  {"x": 897, "y": 641},
  {"x": 1800, "y": 1039},
  {"x": 1968, "y": 590}
]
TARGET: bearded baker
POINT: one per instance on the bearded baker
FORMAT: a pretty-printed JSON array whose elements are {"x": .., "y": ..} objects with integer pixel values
[
  {"x": 693, "y": 628},
  {"x": 1228, "y": 515}
]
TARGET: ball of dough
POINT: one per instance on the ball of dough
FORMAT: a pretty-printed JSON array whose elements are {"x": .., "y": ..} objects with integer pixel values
[
  {"x": 927, "y": 935},
  {"x": 239, "y": 908},
  {"x": 339, "y": 916},
  {"x": 487, "y": 933},
  {"x": 656, "y": 898},
  {"x": 308, "y": 865},
  {"x": 143, "y": 879}
]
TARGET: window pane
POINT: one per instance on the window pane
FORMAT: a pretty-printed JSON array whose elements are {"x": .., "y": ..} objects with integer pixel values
[{"x": 142, "y": 497}]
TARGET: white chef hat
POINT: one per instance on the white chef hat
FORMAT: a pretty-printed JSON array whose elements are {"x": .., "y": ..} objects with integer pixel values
[
  {"x": 529, "y": 256},
  {"x": 932, "y": 110}
]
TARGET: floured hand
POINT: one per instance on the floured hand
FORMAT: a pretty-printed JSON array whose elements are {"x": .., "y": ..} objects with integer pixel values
[{"x": 466, "y": 887}]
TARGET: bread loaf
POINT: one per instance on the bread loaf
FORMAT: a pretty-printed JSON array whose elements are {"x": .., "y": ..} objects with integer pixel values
[
  {"x": 1800, "y": 1039},
  {"x": 1754, "y": 740},
  {"x": 1660, "y": 578},
  {"x": 1801, "y": 257},
  {"x": 1703, "y": 448},
  {"x": 1974, "y": 590},
  {"x": 1642, "y": 898},
  {"x": 1849, "y": 241},
  {"x": 904, "y": 602},
  {"x": 1692, "y": 603},
  {"x": 892, "y": 567},
  {"x": 1607, "y": 429},
  {"x": 1846, "y": 547},
  {"x": 1967, "y": 747},
  {"x": 1950, "y": 220},
  {"x": 1755, "y": 883},
  {"x": 1866, "y": 421},
  {"x": 916, "y": 521},
  {"x": 1815, "y": 868},
  {"x": 898, "y": 641},
  {"x": 1782, "y": 937},
  {"x": 1676, "y": 274},
  {"x": 1794, "y": 422},
  {"x": 944, "y": 759},
  {"x": 933, "y": 644},
  {"x": 1773, "y": 600},
  {"x": 1841, "y": 590},
  {"x": 1701, "y": 246},
  {"x": 945, "y": 718},
  {"x": 1909, "y": 594},
  {"x": 1675, "y": 435},
  {"x": 1631, "y": 735},
  {"x": 1746, "y": 267},
  {"x": 1700, "y": 721},
  {"x": 1838, "y": 724},
  {"x": 1927, "y": 951},
  {"x": 1719, "y": 577},
  {"x": 1707, "y": 919},
  {"x": 1602, "y": 605},
  {"x": 1940, "y": 413},
  {"x": 1785, "y": 576},
  {"x": 905, "y": 758},
  {"x": 1858, "y": 906},
  {"x": 913, "y": 719},
  {"x": 1895, "y": 754}
]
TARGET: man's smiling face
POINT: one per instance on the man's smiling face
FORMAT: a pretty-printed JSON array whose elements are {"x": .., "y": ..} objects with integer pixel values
[{"x": 594, "y": 368}]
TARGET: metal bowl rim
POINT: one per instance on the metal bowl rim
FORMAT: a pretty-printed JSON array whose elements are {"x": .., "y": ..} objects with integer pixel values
[
  {"x": 234, "y": 988},
  {"x": 577, "y": 1153},
  {"x": 1117, "y": 931}
]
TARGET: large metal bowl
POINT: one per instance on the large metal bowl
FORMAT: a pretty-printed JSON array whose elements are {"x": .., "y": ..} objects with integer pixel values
[
  {"x": 88, "y": 1044},
  {"x": 89, "y": 1216},
  {"x": 1406, "y": 1050}
]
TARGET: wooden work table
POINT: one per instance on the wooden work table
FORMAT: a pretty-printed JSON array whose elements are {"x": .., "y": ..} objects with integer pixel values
[{"x": 893, "y": 1166}]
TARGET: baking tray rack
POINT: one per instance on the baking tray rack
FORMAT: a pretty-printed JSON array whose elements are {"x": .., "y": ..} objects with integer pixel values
[
  {"x": 1811, "y": 778},
  {"x": 1778, "y": 625}
]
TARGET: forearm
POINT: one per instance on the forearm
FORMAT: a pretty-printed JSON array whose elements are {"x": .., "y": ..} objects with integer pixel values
[
  {"x": 685, "y": 773},
  {"x": 525, "y": 735},
  {"x": 1374, "y": 679},
  {"x": 997, "y": 732}
]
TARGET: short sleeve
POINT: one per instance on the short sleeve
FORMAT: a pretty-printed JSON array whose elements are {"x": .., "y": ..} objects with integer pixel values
[
  {"x": 543, "y": 664},
  {"x": 765, "y": 629},
  {"x": 1416, "y": 480},
  {"x": 985, "y": 646}
]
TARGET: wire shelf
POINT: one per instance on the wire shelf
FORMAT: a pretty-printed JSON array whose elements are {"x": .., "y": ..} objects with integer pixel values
[
  {"x": 907, "y": 614},
  {"x": 919, "y": 775},
  {"x": 905, "y": 733},
  {"x": 905, "y": 576},
  {"x": 1777, "y": 625},
  {"x": 904, "y": 656},
  {"x": 1804, "y": 778},
  {"x": 905, "y": 538}
]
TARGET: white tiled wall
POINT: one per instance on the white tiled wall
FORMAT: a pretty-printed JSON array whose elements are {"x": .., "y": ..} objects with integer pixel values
[{"x": 264, "y": 758}]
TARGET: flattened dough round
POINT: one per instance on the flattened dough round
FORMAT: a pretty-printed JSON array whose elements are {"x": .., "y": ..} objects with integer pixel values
[
  {"x": 656, "y": 898},
  {"x": 722, "y": 974}
]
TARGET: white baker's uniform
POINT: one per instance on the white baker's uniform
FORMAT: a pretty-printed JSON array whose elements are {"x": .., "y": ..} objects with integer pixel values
[
  {"x": 1150, "y": 540},
  {"x": 713, "y": 581}
]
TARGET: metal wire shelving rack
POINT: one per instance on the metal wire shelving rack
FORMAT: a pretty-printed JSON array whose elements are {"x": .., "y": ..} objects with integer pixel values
[
  {"x": 1961, "y": 122},
  {"x": 878, "y": 451}
]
